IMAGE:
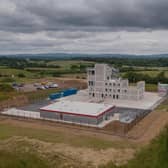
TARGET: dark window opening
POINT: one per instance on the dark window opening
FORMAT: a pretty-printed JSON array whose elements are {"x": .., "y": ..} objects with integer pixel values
[
  {"x": 91, "y": 83},
  {"x": 61, "y": 116}
]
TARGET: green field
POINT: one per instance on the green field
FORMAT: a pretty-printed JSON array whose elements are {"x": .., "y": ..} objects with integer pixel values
[
  {"x": 68, "y": 63},
  {"x": 154, "y": 73},
  {"x": 21, "y": 159},
  {"x": 64, "y": 68},
  {"x": 151, "y": 88}
]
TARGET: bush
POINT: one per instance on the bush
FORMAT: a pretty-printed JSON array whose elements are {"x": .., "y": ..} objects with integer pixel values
[
  {"x": 8, "y": 80},
  {"x": 56, "y": 74},
  {"x": 21, "y": 75},
  {"x": 6, "y": 88}
]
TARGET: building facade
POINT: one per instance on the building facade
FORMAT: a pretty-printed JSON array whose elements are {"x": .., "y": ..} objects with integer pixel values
[
  {"x": 104, "y": 82},
  {"x": 78, "y": 112}
]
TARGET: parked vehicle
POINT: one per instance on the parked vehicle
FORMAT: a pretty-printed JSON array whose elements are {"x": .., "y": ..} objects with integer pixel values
[
  {"x": 41, "y": 88},
  {"x": 54, "y": 85}
]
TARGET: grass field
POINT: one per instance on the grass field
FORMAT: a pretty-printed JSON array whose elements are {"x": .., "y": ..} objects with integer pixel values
[
  {"x": 153, "y": 156},
  {"x": 151, "y": 87},
  {"x": 33, "y": 73},
  {"x": 68, "y": 63},
  {"x": 31, "y": 142},
  {"x": 20, "y": 159},
  {"x": 24, "y": 155},
  {"x": 7, "y": 131},
  {"x": 32, "y": 96},
  {"x": 15, "y": 72},
  {"x": 40, "y": 94},
  {"x": 153, "y": 73}
]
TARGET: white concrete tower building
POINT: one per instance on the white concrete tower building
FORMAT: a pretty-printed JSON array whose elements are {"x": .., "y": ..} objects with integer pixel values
[{"x": 104, "y": 81}]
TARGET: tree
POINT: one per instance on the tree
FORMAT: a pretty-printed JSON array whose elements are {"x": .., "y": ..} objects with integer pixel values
[{"x": 21, "y": 75}]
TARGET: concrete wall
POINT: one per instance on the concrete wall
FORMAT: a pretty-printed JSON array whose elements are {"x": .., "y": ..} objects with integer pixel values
[
  {"x": 77, "y": 118},
  {"x": 50, "y": 115}
]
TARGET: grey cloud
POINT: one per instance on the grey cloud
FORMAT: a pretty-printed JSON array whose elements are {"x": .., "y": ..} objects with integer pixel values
[
  {"x": 84, "y": 26},
  {"x": 90, "y": 15}
]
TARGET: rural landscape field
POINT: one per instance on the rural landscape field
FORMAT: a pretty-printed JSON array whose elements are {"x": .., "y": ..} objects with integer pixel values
[
  {"x": 83, "y": 84},
  {"x": 31, "y": 143}
]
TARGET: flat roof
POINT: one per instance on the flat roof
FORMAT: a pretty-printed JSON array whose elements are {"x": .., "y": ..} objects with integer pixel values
[
  {"x": 150, "y": 100},
  {"x": 78, "y": 108}
]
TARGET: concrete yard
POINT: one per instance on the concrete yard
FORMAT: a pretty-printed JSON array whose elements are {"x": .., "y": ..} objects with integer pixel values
[{"x": 149, "y": 102}]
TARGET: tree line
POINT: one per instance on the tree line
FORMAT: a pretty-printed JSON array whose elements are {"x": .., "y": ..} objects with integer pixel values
[{"x": 134, "y": 77}]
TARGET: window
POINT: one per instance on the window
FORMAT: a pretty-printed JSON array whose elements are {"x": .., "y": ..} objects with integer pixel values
[
  {"x": 102, "y": 95},
  {"x": 110, "y": 90},
  {"x": 106, "y": 84},
  {"x": 119, "y": 90},
  {"x": 93, "y": 72},
  {"x": 113, "y": 96},
  {"x": 113, "y": 84},
  {"x": 91, "y": 83},
  {"x": 108, "y": 78},
  {"x": 110, "y": 84},
  {"x": 106, "y": 89},
  {"x": 93, "y": 94},
  {"x": 117, "y": 96}
]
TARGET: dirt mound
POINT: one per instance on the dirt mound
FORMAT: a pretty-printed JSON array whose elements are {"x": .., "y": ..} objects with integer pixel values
[{"x": 84, "y": 155}]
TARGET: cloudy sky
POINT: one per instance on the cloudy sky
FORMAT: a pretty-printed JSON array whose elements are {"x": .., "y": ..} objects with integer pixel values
[{"x": 84, "y": 26}]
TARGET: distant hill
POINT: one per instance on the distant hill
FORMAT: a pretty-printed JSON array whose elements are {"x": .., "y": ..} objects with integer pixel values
[{"x": 76, "y": 55}]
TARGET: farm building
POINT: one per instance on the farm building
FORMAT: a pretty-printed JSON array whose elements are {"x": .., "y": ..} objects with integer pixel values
[
  {"x": 104, "y": 82},
  {"x": 78, "y": 112}
]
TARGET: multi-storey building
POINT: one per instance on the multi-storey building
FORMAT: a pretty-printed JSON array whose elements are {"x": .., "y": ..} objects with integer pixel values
[{"x": 104, "y": 82}]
